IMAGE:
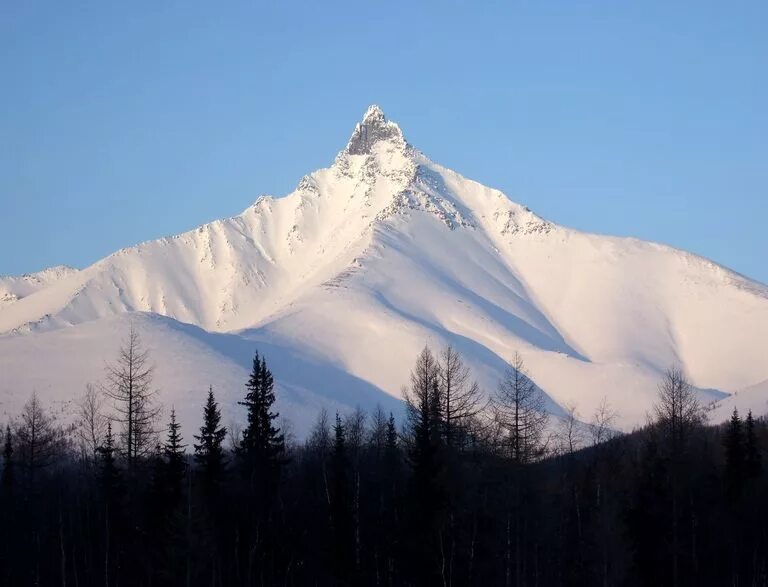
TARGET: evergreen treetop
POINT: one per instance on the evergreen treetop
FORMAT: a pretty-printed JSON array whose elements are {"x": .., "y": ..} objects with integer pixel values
[
  {"x": 209, "y": 453},
  {"x": 733, "y": 443},
  {"x": 109, "y": 474},
  {"x": 8, "y": 458},
  {"x": 173, "y": 449},
  {"x": 753, "y": 460},
  {"x": 262, "y": 444}
]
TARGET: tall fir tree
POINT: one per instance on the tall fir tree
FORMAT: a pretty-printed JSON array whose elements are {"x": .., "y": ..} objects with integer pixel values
[
  {"x": 392, "y": 461},
  {"x": 427, "y": 491},
  {"x": 423, "y": 403},
  {"x": 261, "y": 456},
  {"x": 390, "y": 504},
  {"x": 733, "y": 443},
  {"x": 391, "y": 448},
  {"x": 175, "y": 461},
  {"x": 109, "y": 475},
  {"x": 753, "y": 460},
  {"x": 8, "y": 464},
  {"x": 341, "y": 502},
  {"x": 263, "y": 444},
  {"x": 209, "y": 453}
]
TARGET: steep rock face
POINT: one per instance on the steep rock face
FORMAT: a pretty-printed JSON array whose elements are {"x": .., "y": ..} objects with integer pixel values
[
  {"x": 384, "y": 251},
  {"x": 374, "y": 129}
]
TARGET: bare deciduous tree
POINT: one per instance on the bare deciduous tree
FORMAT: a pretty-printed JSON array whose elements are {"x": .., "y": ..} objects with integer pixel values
[
  {"x": 602, "y": 423},
  {"x": 461, "y": 397},
  {"x": 355, "y": 430},
  {"x": 421, "y": 399},
  {"x": 677, "y": 409},
  {"x": 38, "y": 439},
  {"x": 91, "y": 425},
  {"x": 570, "y": 435},
  {"x": 285, "y": 425},
  {"x": 319, "y": 440},
  {"x": 235, "y": 435},
  {"x": 129, "y": 385},
  {"x": 677, "y": 412},
  {"x": 377, "y": 435},
  {"x": 518, "y": 408}
]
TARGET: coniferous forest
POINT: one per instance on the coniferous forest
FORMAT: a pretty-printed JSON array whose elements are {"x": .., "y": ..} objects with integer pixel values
[{"x": 473, "y": 487}]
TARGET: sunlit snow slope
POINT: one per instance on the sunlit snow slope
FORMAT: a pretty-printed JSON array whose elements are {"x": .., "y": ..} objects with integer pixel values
[{"x": 342, "y": 282}]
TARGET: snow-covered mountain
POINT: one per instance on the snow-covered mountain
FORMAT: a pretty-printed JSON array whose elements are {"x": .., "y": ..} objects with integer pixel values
[
  {"x": 341, "y": 283},
  {"x": 15, "y": 287}
]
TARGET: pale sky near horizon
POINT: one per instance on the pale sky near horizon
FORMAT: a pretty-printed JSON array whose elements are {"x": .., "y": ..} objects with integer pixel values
[{"x": 124, "y": 122}]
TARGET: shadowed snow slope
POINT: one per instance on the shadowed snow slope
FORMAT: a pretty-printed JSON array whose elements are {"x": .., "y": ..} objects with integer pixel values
[{"x": 341, "y": 282}]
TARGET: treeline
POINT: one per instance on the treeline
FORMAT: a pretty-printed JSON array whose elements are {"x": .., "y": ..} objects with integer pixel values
[{"x": 468, "y": 490}]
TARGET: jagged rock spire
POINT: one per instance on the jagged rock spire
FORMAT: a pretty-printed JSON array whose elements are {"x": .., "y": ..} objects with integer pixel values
[{"x": 373, "y": 129}]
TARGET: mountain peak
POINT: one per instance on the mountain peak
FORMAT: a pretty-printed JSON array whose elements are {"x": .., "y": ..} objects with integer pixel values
[
  {"x": 374, "y": 114},
  {"x": 374, "y": 129}
]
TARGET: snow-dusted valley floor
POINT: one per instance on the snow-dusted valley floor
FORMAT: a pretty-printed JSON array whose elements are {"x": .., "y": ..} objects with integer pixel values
[{"x": 343, "y": 281}]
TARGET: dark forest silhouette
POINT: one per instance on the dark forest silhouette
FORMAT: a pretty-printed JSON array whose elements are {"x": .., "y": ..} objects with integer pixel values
[{"x": 470, "y": 489}]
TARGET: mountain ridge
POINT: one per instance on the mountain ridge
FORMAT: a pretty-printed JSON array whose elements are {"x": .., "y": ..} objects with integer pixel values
[{"x": 399, "y": 251}]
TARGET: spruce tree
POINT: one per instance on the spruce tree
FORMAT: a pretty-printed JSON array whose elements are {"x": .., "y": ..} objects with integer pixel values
[
  {"x": 392, "y": 461},
  {"x": 109, "y": 475},
  {"x": 389, "y": 504},
  {"x": 733, "y": 443},
  {"x": 423, "y": 403},
  {"x": 158, "y": 489},
  {"x": 209, "y": 453},
  {"x": 391, "y": 450},
  {"x": 262, "y": 445},
  {"x": 175, "y": 462},
  {"x": 341, "y": 511},
  {"x": 8, "y": 459},
  {"x": 753, "y": 460},
  {"x": 427, "y": 492}
]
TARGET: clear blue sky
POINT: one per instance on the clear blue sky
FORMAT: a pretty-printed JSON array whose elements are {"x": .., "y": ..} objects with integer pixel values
[{"x": 126, "y": 121}]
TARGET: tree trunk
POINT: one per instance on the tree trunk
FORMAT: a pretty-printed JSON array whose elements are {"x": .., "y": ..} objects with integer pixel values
[{"x": 62, "y": 551}]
